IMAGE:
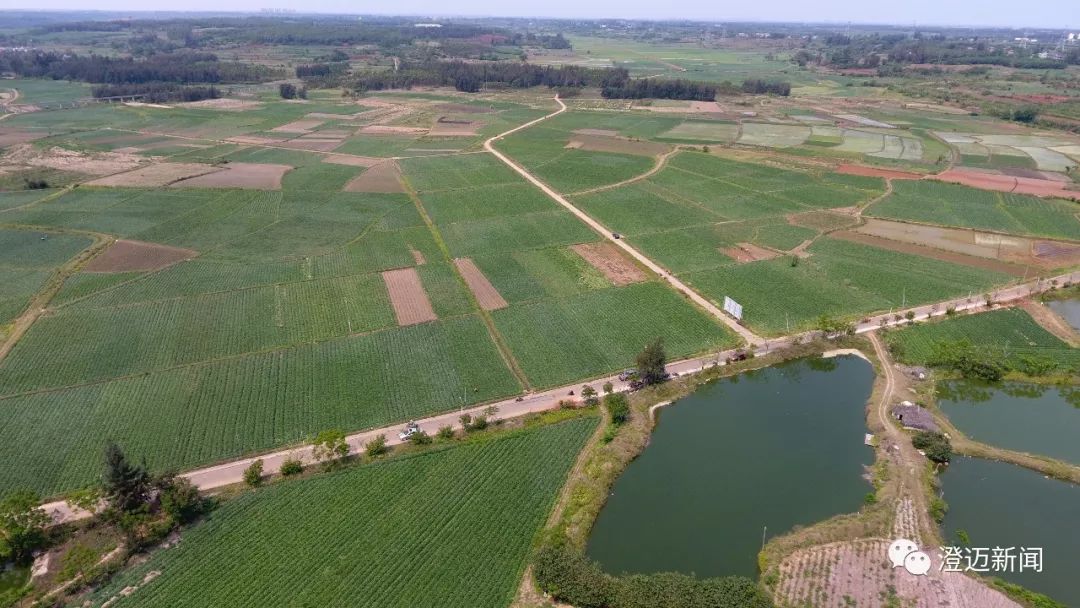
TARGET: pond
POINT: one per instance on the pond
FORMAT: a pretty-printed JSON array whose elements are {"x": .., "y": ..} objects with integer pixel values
[
  {"x": 1002, "y": 505},
  {"x": 1068, "y": 309},
  {"x": 760, "y": 452},
  {"x": 1035, "y": 418}
]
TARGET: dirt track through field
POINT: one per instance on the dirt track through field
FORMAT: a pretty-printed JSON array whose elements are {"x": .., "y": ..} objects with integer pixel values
[
  {"x": 486, "y": 294},
  {"x": 606, "y": 258},
  {"x": 407, "y": 296}
]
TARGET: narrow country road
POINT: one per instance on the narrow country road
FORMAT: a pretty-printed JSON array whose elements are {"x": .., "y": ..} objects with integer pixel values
[{"x": 752, "y": 338}]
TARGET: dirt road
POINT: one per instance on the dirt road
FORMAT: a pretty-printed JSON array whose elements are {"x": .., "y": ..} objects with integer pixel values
[{"x": 711, "y": 308}]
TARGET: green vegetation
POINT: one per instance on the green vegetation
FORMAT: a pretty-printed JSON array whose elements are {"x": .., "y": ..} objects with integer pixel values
[
  {"x": 952, "y": 205},
  {"x": 27, "y": 260},
  {"x": 935, "y": 445},
  {"x": 490, "y": 495},
  {"x": 985, "y": 345}
]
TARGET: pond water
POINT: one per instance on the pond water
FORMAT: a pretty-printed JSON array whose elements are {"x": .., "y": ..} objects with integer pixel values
[
  {"x": 1068, "y": 309},
  {"x": 1002, "y": 505},
  {"x": 774, "y": 448},
  {"x": 1034, "y": 418}
]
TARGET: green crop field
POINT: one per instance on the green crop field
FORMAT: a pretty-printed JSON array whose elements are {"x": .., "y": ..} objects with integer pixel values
[
  {"x": 1011, "y": 332},
  {"x": 840, "y": 279},
  {"x": 953, "y": 205},
  {"x": 450, "y": 528},
  {"x": 27, "y": 260},
  {"x": 560, "y": 340}
]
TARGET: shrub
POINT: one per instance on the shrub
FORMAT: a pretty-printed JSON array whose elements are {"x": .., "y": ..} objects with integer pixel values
[
  {"x": 253, "y": 475},
  {"x": 376, "y": 447},
  {"x": 938, "y": 509},
  {"x": 292, "y": 466},
  {"x": 588, "y": 393},
  {"x": 618, "y": 407},
  {"x": 330, "y": 446},
  {"x": 935, "y": 445},
  {"x": 445, "y": 432},
  {"x": 78, "y": 560},
  {"x": 180, "y": 499},
  {"x": 609, "y": 388},
  {"x": 420, "y": 438}
]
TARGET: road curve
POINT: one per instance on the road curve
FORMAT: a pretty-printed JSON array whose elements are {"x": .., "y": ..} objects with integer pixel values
[{"x": 752, "y": 338}]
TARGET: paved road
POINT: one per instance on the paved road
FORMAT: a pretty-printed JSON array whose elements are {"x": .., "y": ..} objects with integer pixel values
[{"x": 746, "y": 334}]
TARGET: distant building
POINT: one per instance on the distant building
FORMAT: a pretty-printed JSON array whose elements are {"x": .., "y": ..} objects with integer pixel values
[
  {"x": 427, "y": 25},
  {"x": 911, "y": 416}
]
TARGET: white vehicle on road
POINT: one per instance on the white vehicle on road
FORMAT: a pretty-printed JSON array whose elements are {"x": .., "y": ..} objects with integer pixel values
[{"x": 410, "y": 429}]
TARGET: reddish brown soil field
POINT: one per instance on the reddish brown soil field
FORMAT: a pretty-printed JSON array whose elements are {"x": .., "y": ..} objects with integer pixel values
[
  {"x": 352, "y": 161},
  {"x": 748, "y": 252},
  {"x": 606, "y": 258},
  {"x": 155, "y": 175},
  {"x": 383, "y": 177},
  {"x": 130, "y": 256},
  {"x": 929, "y": 252},
  {"x": 486, "y": 294},
  {"x": 407, "y": 296},
  {"x": 1007, "y": 183},
  {"x": 251, "y": 176},
  {"x": 10, "y": 137},
  {"x": 848, "y": 169}
]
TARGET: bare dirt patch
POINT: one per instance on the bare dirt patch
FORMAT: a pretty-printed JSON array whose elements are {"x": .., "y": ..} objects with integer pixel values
[
  {"x": 407, "y": 295},
  {"x": 822, "y": 220},
  {"x": 930, "y": 252},
  {"x": 417, "y": 257},
  {"x": 251, "y": 176},
  {"x": 597, "y": 132},
  {"x": 9, "y": 137},
  {"x": 383, "y": 177},
  {"x": 606, "y": 258},
  {"x": 486, "y": 294},
  {"x": 232, "y": 105},
  {"x": 130, "y": 256},
  {"x": 1006, "y": 248},
  {"x": 1051, "y": 322},
  {"x": 618, "y": 145},
  {"x": 748, "y": 252},
  {"x": 392, "y": 130},
  {"x": 463, "y": 108},
  {"x": 848, "y": 169},
  {"x": 1007, "y": 183},
  {"x": 304, "y": 125},
  {"x": 858, "y": 573},
  {"x": 155, "y": 175},
  {"x": 315, "y": 145},
  {"x": 352, "y": 161},
  {"x": 256, "y": 140},
  {"x": 99, "y": 163},
  {"x": 693, "y": 107},
  {"x": 450, "y": 127}
]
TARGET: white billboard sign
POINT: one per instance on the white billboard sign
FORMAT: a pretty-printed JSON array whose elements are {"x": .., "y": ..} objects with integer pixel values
[{"x": 732, "y": 307}]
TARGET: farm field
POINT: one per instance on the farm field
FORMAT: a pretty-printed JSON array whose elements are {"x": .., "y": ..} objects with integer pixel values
[
  {"x": 1011, "y": 332},
  {"x": 27, "y": 261},
  {"x": 465, "y": 519},
  {"x": 953, "y": 205}
]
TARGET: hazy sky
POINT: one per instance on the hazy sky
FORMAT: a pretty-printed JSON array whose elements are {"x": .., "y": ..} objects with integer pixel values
[{"x": 1039, "y": 13}]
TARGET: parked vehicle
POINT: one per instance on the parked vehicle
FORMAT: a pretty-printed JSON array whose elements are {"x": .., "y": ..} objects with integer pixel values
[{"x": 410, "y": 429}]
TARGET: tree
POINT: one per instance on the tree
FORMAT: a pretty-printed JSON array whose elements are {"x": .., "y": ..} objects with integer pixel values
[
  {"x": 287, "y": 90},
  {"x": 935, "y": 445},
  {"x": 832, "y": 327},
  {"x": 589, "y": 394},
  {"x": 608, "y": 388},
  {"x": 420, "y": 438},
  {"x": 253, "y": 475},
  {"x": 126, "y": 485},
  {"x": 651, "y": 363},
  {"x": 376, "y": 446},
  {"x": 22, "y": 526},
  {"x": 618, "y": 406},
  {"x": 329, "y": 446},
  {"x": 179, "y": 498}
]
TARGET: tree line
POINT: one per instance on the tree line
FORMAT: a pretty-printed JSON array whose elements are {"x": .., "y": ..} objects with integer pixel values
[
  {"x": 469, "y": 77},
  {"x": 157, "y": 92},
  {"x": 181, "y": 68},
  {"x": 659, "y": 88}
]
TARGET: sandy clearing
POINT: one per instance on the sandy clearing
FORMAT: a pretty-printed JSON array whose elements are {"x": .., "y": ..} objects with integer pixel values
[
  {"x": 352, "y": 161},
  {"x": 392, "y": 130},
  {"x": 129, "y": 256},
  {"x": 849, "y": 169},
  {"x": 257, "y": 140},
  {"x": 304, "y": 125},
  {"x": 155, "y": 175},
  {"x": 251, "y": 176},
  {"x": 617, "y": 145},
  {"x": 1007, "y": 183},
  {"x": 99, "y": 163},
  {"x": 486, "y": 294},
  {"x": 606, "y": 258},
  {"x": 407, "y": 296},
  {"x": 223, "y": 103},
  {"x": 930, "y": 252},
  {"x": 381, "y": 178},
  {"x": 693, "y": 107},
  {"x": 748, "y": 252}
]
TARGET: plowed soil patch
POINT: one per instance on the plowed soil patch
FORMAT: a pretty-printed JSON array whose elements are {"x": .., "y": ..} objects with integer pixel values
[
  {"x": 407, "y": 296},
  {"x": 304, "y": 125},
  {"x": 251, "y": 176},
  {"x": 847, "y": 169},
  {"x": 748, "y": 252},
  {"x": 352, "y": 161},
  {"x": 929, "y": 252},
  {"x": 223, "y": 103},
  {"x": 486, "y": 294},
  {"x": 383, "y": 177},
  {"x": 1007, "y": 183},
  {"x": 393, "y": 130},
  {"x": 129, "y": 256},
  {"x": 10, "y": 137},
  {"x": 463, "y": 108},
  {"x": 156, "y": 175},
  {"x": 606, "y": 258}
]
